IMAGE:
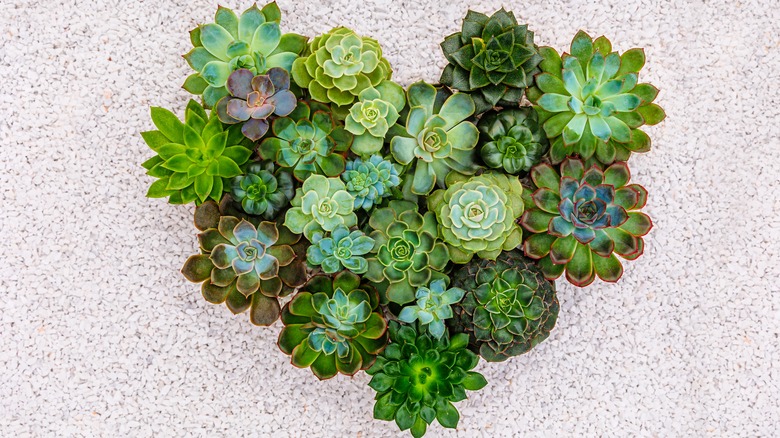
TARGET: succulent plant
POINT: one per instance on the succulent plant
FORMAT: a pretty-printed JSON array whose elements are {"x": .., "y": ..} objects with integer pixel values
[
  {"x": 333, "y": 326},
  {"x": 255, "y": 99},
  {"x": 308, "y": 141},
  {"x": 320, "y": 205},
  {"x": 343, "y": 249},
  {"x": 583, "y": 218},
  {"x": 407, "y": 254},
  {"x": 432, "y": 307},
  {"x": 509, "y": 307},
  {"x": 437, "y": 137},
  {"x": 253, "y": 42},
  {"x": 194, "y": 159},
  {"x": 417, "y": 378},
  {"x": 371, "y": 180},
  {"x": 512, "y": 140},
  {"x": 370, "y": 118},
  {"x": 493, "y": 58},
  {"x": 261, "y": 191},
  {"x": 590, "y": 102},
  {"x": 477, "y": 215}
]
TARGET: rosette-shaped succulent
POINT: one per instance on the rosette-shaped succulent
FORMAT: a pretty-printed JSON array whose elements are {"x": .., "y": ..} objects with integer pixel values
[
  {"x": 407, "y": 251},
  {"x": 254, "y": 99},
  {"x": 590, "y": 102},
  {"x": 493, "y": 58},
  {"x": 512, "y": 140},
  {"x": 583, "y": 218},
  {"x": 261, "y": 191},
  {"x": 437, "y": 137},
  {"x": 343, "y": 249},
  {"x": 252, "y": 41},
  {"x": 432, "y": 307},
  {"x": 417, "y": 378},
  {"x": 509, "y": 307},
  {"x": 371, "y": 180},
  {"x": 243, "y": 265},
  {"x": 477, "y": 215},
  {"x": 333, "y": 326},
  {"x": 340, "y": 65},
  {"x": 373, "y": 114},
  {"x": 320, "y": 205},
  {"x": 194, "y": 159},
  {"x": 308, "y": 141}
]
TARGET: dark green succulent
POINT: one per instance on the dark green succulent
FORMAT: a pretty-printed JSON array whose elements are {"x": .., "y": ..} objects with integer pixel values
[
  {"x": 512, "y": 140},
  {"x": 261, "y": 191},
  {"x": 342, "y": 249}
]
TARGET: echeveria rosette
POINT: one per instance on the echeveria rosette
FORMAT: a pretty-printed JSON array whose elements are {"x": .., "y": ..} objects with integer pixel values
[
  {"x": 437, "y": 138},
  {"x": 493, "y": 58},
  {"x": 309, "y": 141},
  {"x": 343, "y": 249},
  {"x": 252, "y": 41},
  {"x": 477, "y": 216},
  {"x": 590, "y": 102},
  {"x": 432, "y": 307},
  {"x": 261, "y": 191},
  {"x": 195, "y": 159},
  {"x": 333, "y": 325},
  {"x": 322, "y": 204},
  {"x": 418, "y": 378},
  {"x": 583, "y": 219},
  {"x": 369, "y": 119},
  {"x": 509, "y": 307},
  {"x": 253, "y": 100},
  {"x": 512, "y": 140},
  {"x": 407, "y": 252},
  {"x": 371, "y": 180}
]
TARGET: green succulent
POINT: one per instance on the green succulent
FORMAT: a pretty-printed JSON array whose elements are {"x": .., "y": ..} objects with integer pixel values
[
  {"x": 261, "y": 191},
  {"x": 437, "y": 137},
  {"x": 493, "y": 58},
  {"x": 320, "y": 205},
  {"x": 195, "y": 159},
  {"x": 252, "y": 42},
  {"x": 371, "y": 180},
  {"x": 477, "y": 215},
  {"x": 512, "y": 140},
  {"x": 333, "y": 326},
  {"x": 309, "y": 141},
  {"x": 418, "y": 378},
  {"x": 407, "y": 254},
  {"x": 432, "y": 307},
  {"x": 343, "y": 249},
  {"x": 372, "y": 116},
  {"x": 583, "y": 218},
  {"x": 590, "y": 102},
  {"x": 509, "y": 307},
  {"x": 340, "y": 65}
]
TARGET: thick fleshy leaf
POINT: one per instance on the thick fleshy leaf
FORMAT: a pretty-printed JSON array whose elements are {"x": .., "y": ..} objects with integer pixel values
[
  {"x": 608, "y": 269},
  {"x": 579, "y": 270}
]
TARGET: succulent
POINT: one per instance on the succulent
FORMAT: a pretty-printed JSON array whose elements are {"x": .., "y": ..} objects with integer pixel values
[
  {"x": 583, "y": 218},
  {"x": 590, "y": 102},
  {"x": 373, "y": 114},
  {"x": 255, "y": 99},
  {"x": 371, "y": 180},
  {"x": 320, "y": 205},
  {"x": 194, "y": 159},
  {"x": 509, "y": 307},
  {"x": 437, "y": 137},
  {"x": 477, "y": 215},
  {"x": 308, "y": 141},
  {"x": 407, "y": 252},
  {"x": 512, "y": 140},
  {"x": 333, "y": 326},
  {"x": 343, "y": 249},
  {"x": 493, "y": 58},
  {"x": 432, "y": 307},
  {"x": 253, "y": 42},
  {"x": 418, "y": 378},
  {"x": 261, "y": 191}
]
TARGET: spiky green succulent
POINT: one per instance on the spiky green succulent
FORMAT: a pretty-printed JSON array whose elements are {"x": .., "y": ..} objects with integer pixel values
[
  {"x": 437, "y": 138},
  {"x": 590, "y": 102},
  {"x": 370, "y": 118},
  {"x": 333, "y": 326},
  {"x": 371, "y": 180},
  {"x": 195, "y": 159},
  {"x": 320, "y": 205},
  {"x": 509, "y": 307},
  {"x": 261, "y": 191},
  {"x": 252, "y": 41},
  {"x": 493, "y": 58},
  {"x": 512, "y": 140},
  {"x": 432, "y": 307},
  {"x": 418, "y": 378},
  {"x": 583, "y": 219},
  {"x": 342, "y": 249}
]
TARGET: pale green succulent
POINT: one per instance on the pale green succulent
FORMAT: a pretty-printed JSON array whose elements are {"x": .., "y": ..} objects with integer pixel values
[
  {"x": 373, "y": 114},
  {"x": 432, "y": 306},
  {"x": 371, "y": 180},
  {"x": 320, "y": 205},
  {"x": 343, "y": 249}
]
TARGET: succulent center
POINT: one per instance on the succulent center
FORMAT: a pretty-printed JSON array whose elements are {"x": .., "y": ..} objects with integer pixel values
[
  {"x": 326, "y": 207},
  {"x": 495, "y": 57},
  {"x": 432, "y": 141},
  {"x": 255, "y": 99},
  {"x": 424, "y": 373},
  {"x": 256, "y": 192},
  {"x": 370, "y": 113},
  {"x": 252, "y": 63},
  {"x": 343, "y": 253},
  {"x": 400, "y": 249},
  {"x": 587, "y": 211},
  {"x": 359, "y": 181},
  {"x": 504, "y": 301},
  {"x": 476, "y": 211},
  {"x": 250, "y": 251},
  {"x": 304, "y": 147}
]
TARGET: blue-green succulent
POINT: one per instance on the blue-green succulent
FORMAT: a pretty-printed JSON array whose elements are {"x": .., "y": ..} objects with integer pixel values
[
  {"x": 432, "y": 306},
  {"x": 342, "y": 249},
  {"x": 371, "y": 180}
]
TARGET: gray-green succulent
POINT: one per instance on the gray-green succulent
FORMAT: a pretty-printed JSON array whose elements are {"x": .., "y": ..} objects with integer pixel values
[{"x": 341, "y": 250}]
